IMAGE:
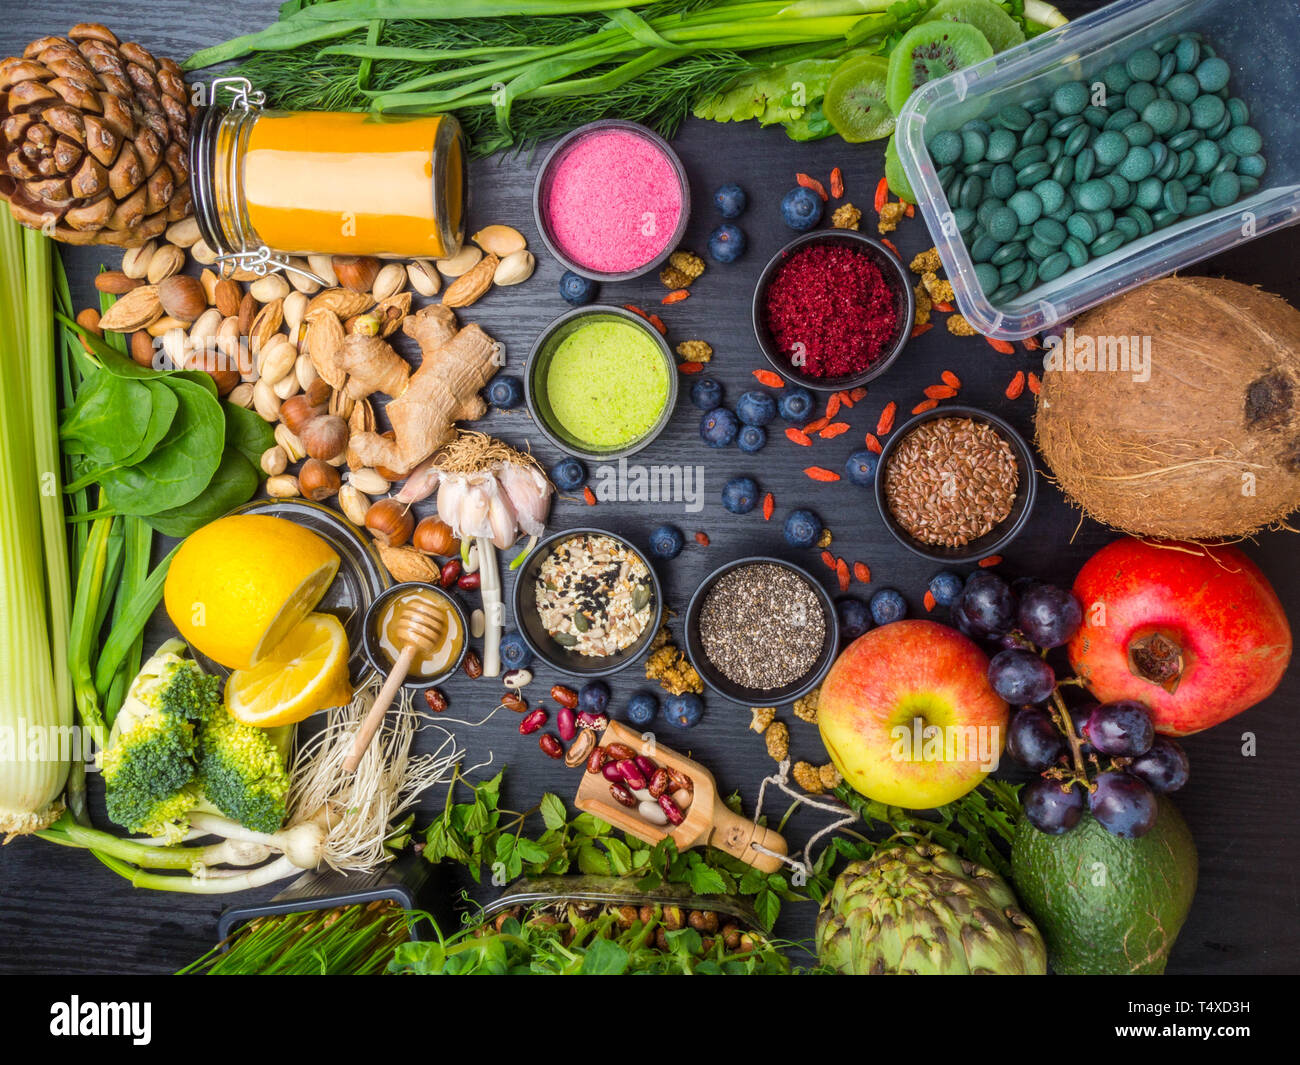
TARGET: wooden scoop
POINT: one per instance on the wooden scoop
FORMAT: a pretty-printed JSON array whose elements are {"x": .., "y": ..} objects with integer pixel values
[
  {"x": 420, "y": 628},
  {"x": 708, "y": 819}
]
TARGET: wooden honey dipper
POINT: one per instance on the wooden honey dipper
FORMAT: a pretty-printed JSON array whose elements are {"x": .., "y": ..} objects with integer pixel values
[{"x": 420, "y": 628}]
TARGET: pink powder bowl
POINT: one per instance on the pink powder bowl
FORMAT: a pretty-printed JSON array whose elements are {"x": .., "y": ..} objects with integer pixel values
[{"x": 611, "y": 200}]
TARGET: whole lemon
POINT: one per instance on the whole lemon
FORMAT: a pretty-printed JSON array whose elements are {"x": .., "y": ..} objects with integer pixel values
[{"x": 237, "y": 586}]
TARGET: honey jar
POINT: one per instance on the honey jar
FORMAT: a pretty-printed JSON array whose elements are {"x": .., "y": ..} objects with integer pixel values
[{"x": 270, "y": 184}]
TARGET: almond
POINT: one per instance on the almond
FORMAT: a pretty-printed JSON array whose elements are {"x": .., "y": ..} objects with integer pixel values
[
  {"x": 341, "y": 302},
  {"x": 182, "y": 297},
  {"x": 227, "y": 297},
  {"x": 265, "y": 325},
  {"x": 116, "y": 283},
  {"x": 164, "y": 325},
  {"x": 142, "y": 349},
  {"x": 209, "y": 281},
  {"x": 246, "y": 313},
  {"x": 138, "y": 309},
  {"x": 325, "y": 338},
  {"x": 467, "y": 288}
]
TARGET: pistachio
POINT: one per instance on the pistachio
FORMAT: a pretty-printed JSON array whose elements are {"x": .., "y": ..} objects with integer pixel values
[
  {"x": 515, "y": 268},
  {"x": 294, "y": 310},
  {"x": 467, "y": 288},
  {"x": 361, "y": 418},
  {"x": 185, "y": 233},
  {"x": 424, "y": 277},
  {"x": 388, "y": 282},
  {"x": 265, "y": 401},
  {"x": 370, "y": 481},
  {"x": 203, "y": 333},
  {"x": 285, "y": 486},
  {"x": 286, "y": 387},
  {"x": 274, "y": 461},
  {"x": 166, "y": 261},
  {"x": 201, "y": 253},
  {"x": 176, "y": 346},
  {"x": 302, "y": 284},
  {"x": 241, "y": 395},
  {"x": 291, "y": 444},
  {"x": 460, "y": 263},
  {"x": 269, "y": 288},
  {"x": 391, "y": 311},
  {"x": 304, "y": 372},
  {"x": 499, "y": 240},
  {"x": 135, "y": 261},
  {"x": 138, "y": 309},
  {"x": 276, "y": 359},
  {"x": 354, "y": 504},
  {"x": 323, "y": 267},
  {"x": 209, "y": 280}
]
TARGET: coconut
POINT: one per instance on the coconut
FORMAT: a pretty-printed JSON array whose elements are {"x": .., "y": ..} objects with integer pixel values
[{"x": 1207, "y": 446}]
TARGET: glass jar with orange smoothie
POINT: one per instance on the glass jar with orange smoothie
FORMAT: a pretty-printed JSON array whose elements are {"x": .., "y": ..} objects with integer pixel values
[{"x": 268, "y": 182}]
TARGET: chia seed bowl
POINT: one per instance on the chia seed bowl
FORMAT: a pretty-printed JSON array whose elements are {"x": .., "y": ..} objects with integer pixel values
[
  {"x": 895, "y": 275},
  {"x": 1004, "y": 531},
  {"x": 587, "y": 593},
  {"x": 795, "y": 632}
]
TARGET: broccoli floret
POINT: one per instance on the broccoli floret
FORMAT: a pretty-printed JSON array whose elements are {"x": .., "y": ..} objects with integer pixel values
[
  {"x": 148, "y": 766},
  {"x": 242, "y": 772},
  {"x": 189, "y": 693}
]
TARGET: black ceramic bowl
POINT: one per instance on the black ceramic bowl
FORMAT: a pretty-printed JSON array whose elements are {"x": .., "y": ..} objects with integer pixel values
[
  {"x": 715, "y": 679},
  {"x": 370, "y": 640},
  {"x": 1001, "y": 534},
  {"x": 895, "y": 274},
  {"x": 541, "y": 643}
]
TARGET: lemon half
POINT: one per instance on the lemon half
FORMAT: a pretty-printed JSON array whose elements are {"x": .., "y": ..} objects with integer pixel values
[{"x": 307, "y": 671}]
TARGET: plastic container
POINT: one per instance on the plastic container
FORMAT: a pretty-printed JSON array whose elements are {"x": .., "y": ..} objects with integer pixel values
[
  {"x": 1261, "y": 44},
  {"x": 594, "y": 891}
]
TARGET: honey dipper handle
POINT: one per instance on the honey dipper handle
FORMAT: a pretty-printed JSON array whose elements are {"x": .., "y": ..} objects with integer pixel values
[
  {"x": 735, "y": 834},
  {"x": 370, "y": 725}
]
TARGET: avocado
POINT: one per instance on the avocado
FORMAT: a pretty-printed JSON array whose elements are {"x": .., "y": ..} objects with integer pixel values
[{"x": 1107, "y": 905}]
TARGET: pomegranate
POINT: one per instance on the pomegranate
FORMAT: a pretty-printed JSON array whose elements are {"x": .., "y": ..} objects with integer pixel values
[{"x": 1194, "y": 632}]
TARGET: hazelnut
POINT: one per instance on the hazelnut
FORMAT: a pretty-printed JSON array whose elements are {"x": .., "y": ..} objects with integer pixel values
[
  {"x": 389, "y": 522},
  {"x": 325, "y": 437},
  {"x": 318, "y": 480},
  {"x": 356, "y": 272},
  {"x": 297, "y": 411},
  {"x": 433, "y": 536}
]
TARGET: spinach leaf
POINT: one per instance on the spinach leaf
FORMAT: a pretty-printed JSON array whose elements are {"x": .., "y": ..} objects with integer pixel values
[
  {"x": 248, "y": 433},
  {"x": 108, "y": 419},
  {"x": 234, "y": 482},
  {"x": 161, "y": 415},
  {"x": 182, "y": 465}
]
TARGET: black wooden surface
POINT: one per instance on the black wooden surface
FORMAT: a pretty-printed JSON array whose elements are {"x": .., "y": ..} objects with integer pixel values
[{"x": 61, "y": 911}]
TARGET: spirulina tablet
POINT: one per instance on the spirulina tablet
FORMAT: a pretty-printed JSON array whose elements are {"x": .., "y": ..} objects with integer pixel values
[
  {"x": 1207, "y": 111},
  {"x": 1012, "y": 271},
  {"x": 1212, "y": 74},
  {"x": 1002, "y": 223},
  {"x": 982, "y": 249},
  {"x": 1116, "y": 78},
  {"x": 1139, "y": 134},
  {"x": 1094, "y": 195},
  {"x": 1033, "y": 174},
  {"x": 1063, "y": 171},
  {"x": 1163, "y": 217},
  {"x": 1079, "y": 138},
  {"x": 1005, "y": 293},
  {"x": 1067, "y": 125},
  {"x": 973, "y": 144},
  {"x": 1192, "y": 182},
  {"x": 945, "y": 147},
  {"x": 1224, "y": 189},
  {"x": 1107, "y": 243},
  {"x": 1122, "y": 189},
  {"x": 1142, "y": 65},
  {"x": 1186, "y": 160},
  {"x": 963, "y": 219},
  {"x": 1103, "y": 220},
  {"x": 1096, "y": 117},
  {"x": 1160, "y": 115},
  {"x": 1030, "y": 277},
  {"x": 1053, "y": 266},
  {"x": 1207, "y": 155},
  {"x": 1138, "y": 163},
  {"x": 1243, "y": 140},
  {"x": 1220, "y": 128},
  {"x": 1028, "y": 207},
  {"x": 1183, "y": 88},
  {"x": 1084, "y": 164},
  {"x": 1007, "y": 253},
  {"x": 1239, "y": 111},
  {"x": 1197, "y": 205},
  {"x": 1070, "y": 98},
  {"x": 1035, "y": 153},
  {"x": 1167, "y": 65},
  {"x": 1015, "y": 117},
  {"x": 1127, "y": 226},
  {"x": 976, "y": 125},
  {"x": 1187, "y": 53},
  {"x": 1081, "y": 226},
  {"x": 1140, "y": 95},
  {"x": 1002, "y": 182},
  {"x": 1121, "y": 119},
  {"x": 1002, "y": 146},
  {"x": 1052, "y": 193},
  {"x": 1175, "y": 197},
  {"x": 1252, "y": 166},
  {"x": 1248, "y": 184},
  {"x": 1076, "y": 250},
  {"x": 1036, "y": 133},
  {"x": 987, "y": 277},
  {"x": 1140, "y": 216}
]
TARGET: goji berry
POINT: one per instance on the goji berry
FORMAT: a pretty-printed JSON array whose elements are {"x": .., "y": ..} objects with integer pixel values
[
  {"x": 767, "y": 377},
  {"x": 657, "y": 322},
  {"x": 837, "y": 183},
  {"x": 833, "y": 405},
  {"x": 858, "y": 394},
  {"x": 882, "y": 194},
  {"x": 1000, "y": 346},
  {"x": 951, "y": 379},
  {"x": 891, "y": 246},
  {"x": 944, "y": 305},
  {"x": 842, "y": 574},
  {"x": 925, "y": 405},
  {"x": 873, "y": 445},
  {"x": 929, "y": 600},
  {"x": 846, "y": 399},
  {"x": 1031, "y": 343},
  {"x": 940, "y": 392},
  {"x": 910, "y": 210},
  {"x": 819, "y": 473},
  {"x": 676, "y": 296},
  {"x": 588, "y": 495},
  {"x": 636, "y": 310},
  {"x": 886, "y": 421},
  {"x": 992, "y": 560},
  {"x": 862, "y": 571},
  {"x": 1035, "y": 385},
  {"x": 702, "y": 538},
  {"x": 828, "y": 559},
  {"x": 769, "y": 505},
  {"x": 833, "y": 430},
  {"x": 798, "y": 436},
  {"x": 816, "y": 424},
  {"x": 1017, "y": 385},
  {"x": 690, "y": 367},
  {"x": 923, "y": 327},
  {"x": 809, "y": 182}
]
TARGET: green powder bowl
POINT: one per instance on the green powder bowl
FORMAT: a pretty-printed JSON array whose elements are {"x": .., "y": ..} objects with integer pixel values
[{"x": 601, "y": 383}]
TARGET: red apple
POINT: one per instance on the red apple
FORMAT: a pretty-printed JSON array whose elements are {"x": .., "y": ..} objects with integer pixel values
[
  {"x": 880, "y": 704},
  {"x": 1194, "y": 632}
]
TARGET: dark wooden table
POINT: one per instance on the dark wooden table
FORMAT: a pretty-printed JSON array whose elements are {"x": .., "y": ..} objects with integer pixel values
[{"x": 63, "y": 912}]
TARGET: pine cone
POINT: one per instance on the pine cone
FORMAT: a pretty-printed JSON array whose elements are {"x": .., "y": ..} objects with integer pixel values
[{"x": 94, "y": 137}]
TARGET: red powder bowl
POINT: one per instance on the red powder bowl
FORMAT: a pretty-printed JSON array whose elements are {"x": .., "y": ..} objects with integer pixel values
[
  {"x": 611, "y": 200},
  {"x": 833, "y": 310}
]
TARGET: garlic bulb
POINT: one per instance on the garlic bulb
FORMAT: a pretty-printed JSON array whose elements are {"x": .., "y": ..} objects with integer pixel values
[{"x": 529, "y": 493}]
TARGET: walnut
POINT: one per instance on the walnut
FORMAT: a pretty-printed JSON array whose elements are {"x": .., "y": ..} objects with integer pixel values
[
  {"x": 959, "y": 327},
  {"x": 824, "y": 541},
  {"x": 807, "y": 776},
  {"x": 763, "y": 716},
  {"x": 940, "y": 291},
  {"x": 695, "y": 350},
  {"x": 778, "y": 741},
  {"x": 683, "y": 268},
  {"x": 890, "y": 215},
  {"x": 846, "y": 216},
  {"x": 830, "y": 776},
  {"x": 926, "y": 262},
  {"x": 923, "y": 305},
  {"x": 805, "y": 709}
]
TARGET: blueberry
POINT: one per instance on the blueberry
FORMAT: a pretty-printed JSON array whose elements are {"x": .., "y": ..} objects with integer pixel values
[
  {"x": 752, "y": 438},
  {"x": 945, "y": 587},
  {"x": 756, "y": 407},
  {"x": 642, "y": 708},
  {"x": 706, "y": 393},
  {"x": 514, "y": 652},
  {"x": 860, "y": 468},
  {"x": 667, "y": 541},
  {"x": 796, "y": 403},
  {"x": 730, "y": 200},
  {"x": 576, "y": 289},
  {"x": 886, "y": 606},
  {"x": 740, "y": 495},
  {"x": 719, "y": 427},
  {"x": 684, "y": 711},
  {"x": 505, "y": 391},
  {"x": 855, "y": 618},
  {"x": 727, "y": 243},
  {"x": 801, "y": 208},
  {"x": 802, "y": 528},
  {"x": 593, "y": 697},
  {"x": 569, "y": 475}
]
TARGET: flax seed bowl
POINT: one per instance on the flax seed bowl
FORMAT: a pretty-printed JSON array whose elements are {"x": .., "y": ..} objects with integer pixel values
[
  {"x": 761, "y": 631},
  {"x": 611, "y": 200},
  {"x": 587, "y": 602},
  {"x": 955, "y": 484},
  {"x": 833, "y": 309}
]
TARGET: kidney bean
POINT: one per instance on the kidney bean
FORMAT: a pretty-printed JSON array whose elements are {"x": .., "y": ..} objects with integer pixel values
[
  {"x": 533, "y": 722},
  {"x": 514, "y": 701},
  {"x": 550, "y": 746},
  {"x": 659, "y": 783},
  {"x": 680, "y": 780},
  {"x": 683, "y": 798},
  {"x": 450, "y": 572},
  {"x": 622, "y": 795},
  {"x": 595, "y": 722},
  {"x": 631, "y": 774},
  {"x": 596, "y": 760},
  {"x": 611, "y": 772},
  {"x": 564, "y": 721},
  {"x": 470, "y": 582},
  {"x": 565, "y": 696},
  {"x": 649, "y": 811},
  {"x": 646, "y": 766},
  {"x": 671, "y": 810},
  {"x": 619, "y": 751},
  {"x": 473, "y": 665},
  {"x": 435, "y": 700}
]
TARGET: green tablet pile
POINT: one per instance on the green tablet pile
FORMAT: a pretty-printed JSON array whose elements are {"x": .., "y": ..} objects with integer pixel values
[{"x": 1050, "y": 183}]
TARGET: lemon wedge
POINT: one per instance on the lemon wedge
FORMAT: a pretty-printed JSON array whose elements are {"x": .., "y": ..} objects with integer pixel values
[{"x": 307, "y": 671}]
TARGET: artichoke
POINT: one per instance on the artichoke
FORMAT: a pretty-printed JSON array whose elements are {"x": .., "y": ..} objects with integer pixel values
[{"x": 921, "y": 910}]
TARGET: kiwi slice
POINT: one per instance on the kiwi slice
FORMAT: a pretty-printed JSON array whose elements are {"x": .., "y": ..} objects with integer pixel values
[
  {"x": 930, "y": 50},
  {"x": 999, "y": 28},
  {"x": 898, "y": 183},
  {"x": 855, "y": 100}
]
